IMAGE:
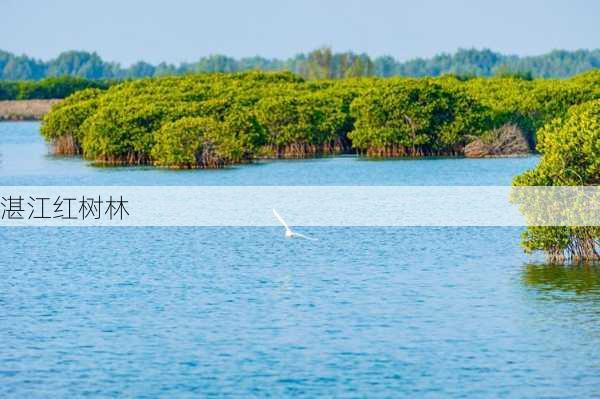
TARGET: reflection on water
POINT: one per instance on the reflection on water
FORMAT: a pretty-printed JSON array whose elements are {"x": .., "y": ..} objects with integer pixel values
[{"x": 577, "y": 279}]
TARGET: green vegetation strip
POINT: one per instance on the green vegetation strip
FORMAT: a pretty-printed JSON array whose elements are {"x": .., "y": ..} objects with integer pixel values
[
  {"x": 322, "y": 63},
  {"x": 49, "y": 88},
  {"x": 213, "y": 120}
]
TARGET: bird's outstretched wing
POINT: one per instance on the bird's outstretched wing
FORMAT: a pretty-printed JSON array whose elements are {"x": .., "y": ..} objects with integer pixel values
[
  {"x": 281, "y": 220},
  {"x": 305, "y": 237}
]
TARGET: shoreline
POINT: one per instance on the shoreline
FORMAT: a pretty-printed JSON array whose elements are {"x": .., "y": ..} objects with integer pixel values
[{"x": 25, "y": 110}]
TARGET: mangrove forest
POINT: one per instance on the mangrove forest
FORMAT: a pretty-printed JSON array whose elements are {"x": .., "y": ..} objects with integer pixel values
[{"x": 213, "y": 120}]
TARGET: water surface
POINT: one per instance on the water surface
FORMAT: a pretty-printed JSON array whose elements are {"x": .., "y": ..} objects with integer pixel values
[
  {"x": 376, "y": 312},
  {"x": 25, "y": 161}
]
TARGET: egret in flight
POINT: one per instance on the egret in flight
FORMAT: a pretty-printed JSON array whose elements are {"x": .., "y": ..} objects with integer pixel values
[{"x": 288, "y": 232}]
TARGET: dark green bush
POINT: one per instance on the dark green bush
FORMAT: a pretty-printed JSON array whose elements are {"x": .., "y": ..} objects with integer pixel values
[
  {"x": 403, "y": 117},
  {"x": 48, "y": 88}
]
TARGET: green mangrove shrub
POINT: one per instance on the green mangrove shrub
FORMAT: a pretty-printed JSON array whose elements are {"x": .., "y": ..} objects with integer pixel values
[
  {"x": 302, "y": 126},
  {"x": 570, "y": 148},
  {"x": 62, "y": 126},
  {"x": 193, "y": 142},
  {"x": 415, "y": 118},
  {"x": 529, "y": 104},
  {"x": 207, "y": 142}
]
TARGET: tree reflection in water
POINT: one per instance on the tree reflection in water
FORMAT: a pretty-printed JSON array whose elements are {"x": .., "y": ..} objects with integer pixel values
[{"x": 577, "y": 279}]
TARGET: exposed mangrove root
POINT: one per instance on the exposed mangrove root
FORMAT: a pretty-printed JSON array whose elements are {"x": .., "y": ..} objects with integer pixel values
[
  {"x": 196, "y": 166},
  {"x": 207, "y": 157},
  {"x": 131, "y": 158},
  {"x": 398, "y": 151},
  {"x": 305, "y": 150},
  {"x": 582, "y": 247},
  {"x": 65, "y": 145}
]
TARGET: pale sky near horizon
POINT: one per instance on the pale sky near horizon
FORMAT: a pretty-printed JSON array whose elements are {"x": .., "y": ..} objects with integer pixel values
[{"x": 178, "y": 30}]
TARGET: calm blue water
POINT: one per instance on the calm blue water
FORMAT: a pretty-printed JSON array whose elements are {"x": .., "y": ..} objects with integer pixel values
[
  {"x": 364, "y": 312},
  {"x": 24, "y": 161}
]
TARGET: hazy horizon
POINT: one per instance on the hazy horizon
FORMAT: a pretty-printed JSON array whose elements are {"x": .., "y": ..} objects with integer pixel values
[
  {"x": 335, "y": 51},
  {"x": 183, "y": 31}
]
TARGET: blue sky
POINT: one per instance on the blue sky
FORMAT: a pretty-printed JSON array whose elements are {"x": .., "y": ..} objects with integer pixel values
[{"x": 179, "y": 30}]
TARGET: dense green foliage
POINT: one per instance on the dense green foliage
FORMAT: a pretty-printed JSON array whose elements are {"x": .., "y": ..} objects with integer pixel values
[
  {"x": 192, "y": 141},
  {"x": 302, "y": 125},
  {"x": 47, "y": 88},
  {"x": 416, "y": 117},
  {"x": 63, "y": 126},
  {"x": 319, "y": 64},
  {"x": 570, "y": 148},
  {"x": 211, "y": 120},
  {"x": 530, "y": 104}
]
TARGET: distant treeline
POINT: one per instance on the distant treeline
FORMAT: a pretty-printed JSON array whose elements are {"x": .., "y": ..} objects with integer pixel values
[
  {"x": 57, "y": 87},
  {"x": 319, "y": 64}
]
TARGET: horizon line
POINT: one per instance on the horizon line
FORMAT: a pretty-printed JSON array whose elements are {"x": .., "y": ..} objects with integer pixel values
[{"x": 305, "y": 53}]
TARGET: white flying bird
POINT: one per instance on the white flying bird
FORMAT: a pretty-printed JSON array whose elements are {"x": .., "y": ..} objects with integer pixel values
[{"x": 288, "y": 232}]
